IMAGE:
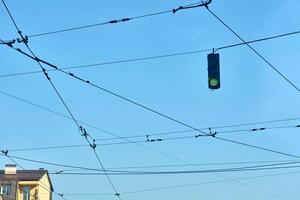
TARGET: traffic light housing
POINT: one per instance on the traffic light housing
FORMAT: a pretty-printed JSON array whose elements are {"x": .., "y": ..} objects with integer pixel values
[{"x": 213, "y": 71}]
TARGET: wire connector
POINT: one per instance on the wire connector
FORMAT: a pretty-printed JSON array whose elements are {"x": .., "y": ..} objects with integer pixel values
[
  {"x": 119, "y": 20},
  {"x": 5, "y": 152},
  {"x": 94, "y": 145},
  {"x": 23, "y": 39},
  {"x": 203, "y": 4},
  {"x": 9, "y": 42},
  {"x": 83, "y": 132},
  {"x": 258, "y": 129}
]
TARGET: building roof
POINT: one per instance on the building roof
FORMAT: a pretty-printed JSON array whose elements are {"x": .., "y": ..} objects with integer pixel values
[{"x": 25, "y": 175}]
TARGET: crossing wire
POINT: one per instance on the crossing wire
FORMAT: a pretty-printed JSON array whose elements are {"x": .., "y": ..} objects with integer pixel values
[
  {"x": 254, "y": 50},
  {"x": 156, "y": 56},
  {"x": 141, "y": 105},
  {"x": 84, "y": 133},
  {"x": 148, "y": 140},
  {"x": 177, "y": 121},
  {"x": 287, "y": 165},
  {"x": 125, "y": 19}
]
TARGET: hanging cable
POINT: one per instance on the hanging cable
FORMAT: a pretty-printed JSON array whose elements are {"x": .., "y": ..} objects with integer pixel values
[
  {"x": 255, "y": 51},
  {"x": 82, "y": 130},
  {"x": 151, "y": 57},
  {"x": 124, "y": 19}
]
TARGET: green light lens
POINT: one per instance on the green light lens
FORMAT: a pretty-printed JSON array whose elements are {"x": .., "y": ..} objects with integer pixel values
[{"x": 213, "y": 82}]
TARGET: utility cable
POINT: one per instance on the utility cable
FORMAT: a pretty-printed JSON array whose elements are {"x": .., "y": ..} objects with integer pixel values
[
  {"x": 254, "y": 50},
  {"x": 152, "y": 57},
  {"x": 129, "y": 100},
  {"x": 184, "y": 185},
  {"x": 148, "y": 139},
  {"x": 124, "y": 19},
  {"x": 82, "y": 130},
  {"x": 288, "y": 165}
]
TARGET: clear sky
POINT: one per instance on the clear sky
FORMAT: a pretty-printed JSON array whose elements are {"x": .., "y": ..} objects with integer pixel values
[{"x": 177, "y": 86}]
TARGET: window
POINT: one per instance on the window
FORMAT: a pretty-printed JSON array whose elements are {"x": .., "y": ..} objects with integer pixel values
[
  {"x": 26, "y": 193},
  {"x": 5, "y": 189}
]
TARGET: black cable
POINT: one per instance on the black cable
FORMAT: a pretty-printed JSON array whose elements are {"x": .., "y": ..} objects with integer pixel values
[
  {"x": 84, "y": 133},
  {"x": 155, "y": 57},
  {"x": 183, "y": 165},
  {"x": 146, "y": 140},
  {"x": 125, "y": 19},
  {"x": 238, "y": 169},
  {"x": 255, "y": 51},
  {"x": 184, "y": 185},
  {"x": 134, "y": 102},
  {"x": 116, "y": 137},
  {"x": 257, "y": 147},
  {"x": 203, "y": 183}
]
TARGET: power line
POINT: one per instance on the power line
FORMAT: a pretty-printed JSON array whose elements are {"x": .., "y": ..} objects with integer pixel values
[
  {"x": 82, "y": 130},
  {"x": 202, "y": 183},
  {"x": 154, "y": 57},
  {"x": 290, "y": 165},
  {"x": 131, "y": 101},
  {"x": 124, "y": 19},
  {"x": 165, "y": 116},
  {"x": 255, "y": 51},
  {"x": 154, "y": 134},
  {"x": 147, "y": 139},
  {"x": 118, "y": 172}
]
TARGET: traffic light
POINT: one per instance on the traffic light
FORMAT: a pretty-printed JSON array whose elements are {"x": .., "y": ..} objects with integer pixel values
[{"x": 213, "y": 71}]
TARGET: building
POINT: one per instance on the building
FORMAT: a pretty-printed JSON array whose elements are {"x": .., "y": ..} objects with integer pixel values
[{"x": 25, "y": 184}]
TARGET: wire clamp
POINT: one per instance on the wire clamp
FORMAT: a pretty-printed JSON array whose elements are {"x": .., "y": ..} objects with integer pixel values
[
  {"x": 119, "y": 20},
  {"x": 9, "y": 42},
  {"x": 258, "y": 129},
  {"x": 5, "y": 152},
  {"x": 205, "y": 4},
  {"x": 117, "y": 194},
  {"x": 213, "y": 134},
  {"x": 94, "y": 145},
  {"x": 23, "y": 39},
  {"x": 61, "y": 195},
  {"x": 83, "y": 132},
  {"x": 46, "y": 74}
]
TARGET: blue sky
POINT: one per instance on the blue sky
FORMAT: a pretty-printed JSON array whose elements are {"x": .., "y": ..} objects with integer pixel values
[{"x": 177, "y": 86}]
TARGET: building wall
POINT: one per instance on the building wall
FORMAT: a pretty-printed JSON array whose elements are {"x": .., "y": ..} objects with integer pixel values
[
  {"x": 12, "y": 196},
  {"x": 39, "y": 189},
  {"x": 45, "y": 188},
  {"x": 33, "y": 185}
]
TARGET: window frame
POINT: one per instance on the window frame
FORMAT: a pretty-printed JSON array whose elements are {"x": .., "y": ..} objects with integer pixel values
[
  {"x": 6, "y": 189},
  {"x": 26, "y": 193}
]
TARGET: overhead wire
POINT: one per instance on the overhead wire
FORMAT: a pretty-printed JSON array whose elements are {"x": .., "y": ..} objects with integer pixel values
[
  {"x": 121, "y": 20},
  {"x": 131, "y": 101},
  {"x": 254, "y": 50},
  {"x": 154, "y": 57},
  {"x": 184, "y": 185},
  {"x": 147, "y": 139},
  {"x": 287, "y": 165},
  {"x": 83, "y": 131},
  {"x": 118, "y": 172}
]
